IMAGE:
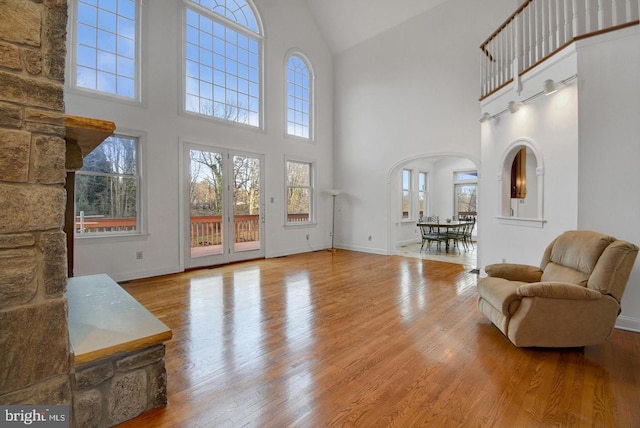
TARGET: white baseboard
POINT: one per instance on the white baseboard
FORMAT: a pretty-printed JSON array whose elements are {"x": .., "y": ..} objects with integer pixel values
[
  {"x": 148, "y": 273},
  {"x": 382, "y": 252},
  {"x": 628, "y": 323}
]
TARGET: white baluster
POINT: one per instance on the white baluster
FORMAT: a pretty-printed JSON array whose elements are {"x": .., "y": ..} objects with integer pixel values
[
  {"x": 519, "y": 44},
  {"x": 628, "y": 16},
  {"x": 576, "y": 19},
  {"x": 614, "y": 13},
  {"x": 587, "y": 17},
  {"x": 532, "y": 36},
  {"x": 601, "y": 18},
  {"x": 568, "y": 35},
  {"x": 559, "y": 23}
]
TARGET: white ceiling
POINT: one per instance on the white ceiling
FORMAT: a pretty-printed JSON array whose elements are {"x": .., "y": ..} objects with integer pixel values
[{"x": 345, "y": 23}]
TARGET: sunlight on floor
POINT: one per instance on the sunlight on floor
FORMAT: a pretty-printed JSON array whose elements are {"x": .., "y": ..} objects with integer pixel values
[{"x": 466, "y": 258}]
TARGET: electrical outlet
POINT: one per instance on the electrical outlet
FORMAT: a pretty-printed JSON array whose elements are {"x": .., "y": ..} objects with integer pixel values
[{"x": 139, "y": 255}]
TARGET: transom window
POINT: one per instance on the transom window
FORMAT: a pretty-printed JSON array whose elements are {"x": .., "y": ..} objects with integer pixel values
[
  {"x": 299, "y": 192},
  {"x": 222, "y": 61},
  {"x": 106, "y": 47},
  {"x": 299, "y": 97}
]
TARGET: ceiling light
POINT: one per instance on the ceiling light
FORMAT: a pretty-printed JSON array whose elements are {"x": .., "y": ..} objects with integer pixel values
[
  {"x": 513, "y": 107},
  {"x": 485, "y": 116},
  {"x": 550, "y": 87}
]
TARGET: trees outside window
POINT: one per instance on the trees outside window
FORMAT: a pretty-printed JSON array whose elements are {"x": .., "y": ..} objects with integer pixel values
[
  {"x": 299, "y": 192},
  {"x": 107, "y": 188},
  {"x": 422, "y": 194},
  {"x": 407, "y": 186},
  {"x": 466, "y": 193}
]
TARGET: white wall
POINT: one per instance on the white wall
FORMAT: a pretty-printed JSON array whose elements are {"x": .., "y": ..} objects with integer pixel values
[
  {"x": 548, "y": 124},
  {"x": 288, "y": 24},
  {"x": 588, "y": 135},
  {"x": 410, "y": 92},
  {"x": 610, "y": 147}
]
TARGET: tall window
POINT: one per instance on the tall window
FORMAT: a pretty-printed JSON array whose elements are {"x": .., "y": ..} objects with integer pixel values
[
  {"x": 466, "y": 193},
  {"x": 222, "y": 61},
  {"x": 107, "y": 189},
  {"x": 299, "y": 97},
  {"x": 422, "y": 194},
  {"x": 406, "y": 192},
  {"x": 299, "y": 192},
  {"x": 106, "y": 47}
]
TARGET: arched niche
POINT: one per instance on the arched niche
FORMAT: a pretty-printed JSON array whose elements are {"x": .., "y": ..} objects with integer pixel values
[{"x": 527, "y": 210}]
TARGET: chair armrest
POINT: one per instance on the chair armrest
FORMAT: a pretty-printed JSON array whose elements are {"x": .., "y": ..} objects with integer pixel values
[
  {"x": 558, "y": 290},
  {"x": 514, "y": 272}
]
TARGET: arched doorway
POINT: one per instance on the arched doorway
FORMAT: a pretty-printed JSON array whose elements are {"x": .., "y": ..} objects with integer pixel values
[{"x": 428, "y": 184}]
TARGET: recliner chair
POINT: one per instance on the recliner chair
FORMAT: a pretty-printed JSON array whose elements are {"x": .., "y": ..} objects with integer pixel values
[{"x": 571, "y": 300}]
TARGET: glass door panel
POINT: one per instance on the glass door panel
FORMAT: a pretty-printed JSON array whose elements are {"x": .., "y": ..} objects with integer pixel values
[
  {"x": 247, "y": 222},
  {"x": 206, "y": 203},
  {"x": 223, "y": 206}
]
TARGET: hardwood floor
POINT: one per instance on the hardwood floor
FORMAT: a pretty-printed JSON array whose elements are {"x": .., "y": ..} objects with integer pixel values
[{"x": 356, "y": 339}]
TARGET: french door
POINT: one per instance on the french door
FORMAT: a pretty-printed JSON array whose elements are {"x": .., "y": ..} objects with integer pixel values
[{"x": 224, "y": 211}]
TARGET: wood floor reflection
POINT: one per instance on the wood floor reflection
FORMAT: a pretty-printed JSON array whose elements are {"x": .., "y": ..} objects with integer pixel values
[{"x": 355, "y": 339}]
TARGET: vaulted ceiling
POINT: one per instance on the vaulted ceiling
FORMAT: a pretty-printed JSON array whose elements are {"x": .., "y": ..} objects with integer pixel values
[{"x": 345, "y": 23}]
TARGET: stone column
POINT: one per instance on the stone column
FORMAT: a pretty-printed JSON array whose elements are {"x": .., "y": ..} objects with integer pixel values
[{"x": 34, "y": 337}]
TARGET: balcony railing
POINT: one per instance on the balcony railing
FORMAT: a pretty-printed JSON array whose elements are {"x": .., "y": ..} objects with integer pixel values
[
  {"x": 205, "y": 230},
  {"x": 540, "y": 28}
]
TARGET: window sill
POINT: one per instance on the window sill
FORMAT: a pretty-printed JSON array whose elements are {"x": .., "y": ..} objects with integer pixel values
[
  {"x": 524, "y": 222},
  {"x": 111, "y": 237},
  {"x": 299, "y": 225}
]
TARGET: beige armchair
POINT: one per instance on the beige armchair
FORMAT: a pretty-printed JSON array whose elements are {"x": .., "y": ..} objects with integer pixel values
[{"x": 573, "y": 299}]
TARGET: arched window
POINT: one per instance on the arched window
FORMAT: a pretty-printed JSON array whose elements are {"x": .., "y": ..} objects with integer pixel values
[
  {"x": 299, "y": 97},
  {"x": 222, "y": 59}
]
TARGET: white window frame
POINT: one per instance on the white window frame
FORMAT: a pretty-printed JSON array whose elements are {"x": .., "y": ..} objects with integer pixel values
[
  {"x": 72, "y": 47},
  {"x": 409, "y": 192},
  {"x": 311, "y": 101},
  {"x": 457, "y": 181},
  {"x": 141, "y": 206},
  {"x": 423, "y": 193},
  {"x": 240, "y": 29},
  {"x": 312, "y": 192}
]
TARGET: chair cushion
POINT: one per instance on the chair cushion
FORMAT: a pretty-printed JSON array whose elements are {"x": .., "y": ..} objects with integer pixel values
[
  {"x": 578, "y": 250},
  {"x": 557, "y": 273},
  {"x": 558, "y": 290}
]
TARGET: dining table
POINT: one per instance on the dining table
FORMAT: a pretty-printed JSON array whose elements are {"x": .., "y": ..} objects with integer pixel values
[{"x": 446, "y": 225}]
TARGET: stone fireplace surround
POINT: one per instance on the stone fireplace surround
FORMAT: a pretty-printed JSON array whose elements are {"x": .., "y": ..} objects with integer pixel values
[{"x": 37, "y": 364}]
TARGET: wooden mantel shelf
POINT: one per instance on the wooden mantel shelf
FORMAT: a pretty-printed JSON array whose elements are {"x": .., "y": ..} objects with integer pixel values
[{"x": 84, "y": 134}]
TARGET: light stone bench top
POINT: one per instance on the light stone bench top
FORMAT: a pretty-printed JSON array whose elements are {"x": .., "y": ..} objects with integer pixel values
[{"x": 104, "y": 319}]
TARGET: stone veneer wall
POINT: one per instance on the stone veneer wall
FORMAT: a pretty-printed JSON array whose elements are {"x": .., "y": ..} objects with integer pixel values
[
  {"x": 34, "y": 339},
  {"x": 115, "y": 389}
]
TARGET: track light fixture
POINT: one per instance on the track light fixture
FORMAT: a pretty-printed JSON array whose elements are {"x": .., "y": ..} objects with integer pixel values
[{"x": 550, "y": 87}]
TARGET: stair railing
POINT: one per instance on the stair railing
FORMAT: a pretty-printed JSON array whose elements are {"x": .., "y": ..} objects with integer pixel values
[{"x": 540, "y": 28}]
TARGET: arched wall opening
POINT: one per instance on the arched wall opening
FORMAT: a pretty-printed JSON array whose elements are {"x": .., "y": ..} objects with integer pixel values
[{"x": 402, "y": 230}]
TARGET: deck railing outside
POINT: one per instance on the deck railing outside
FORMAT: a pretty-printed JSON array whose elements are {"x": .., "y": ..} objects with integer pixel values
[
  {"x": 205, "y": 230},
  {"x": 539, "y": 28}
]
